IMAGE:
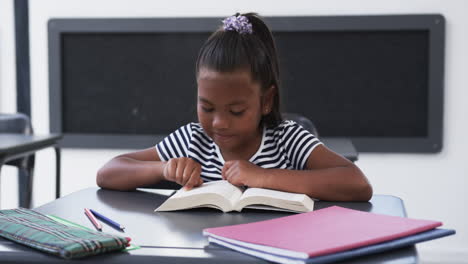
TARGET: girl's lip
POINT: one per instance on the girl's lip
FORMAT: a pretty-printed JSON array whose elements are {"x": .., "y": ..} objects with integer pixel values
[{"x": 222, "y": 137}]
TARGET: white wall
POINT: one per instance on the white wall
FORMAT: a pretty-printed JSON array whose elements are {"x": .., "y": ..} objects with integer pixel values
[
  {"x": 7, "y": 58},
  {"x": 432, "y": 186},
  {"x": 8, "y": 179}
]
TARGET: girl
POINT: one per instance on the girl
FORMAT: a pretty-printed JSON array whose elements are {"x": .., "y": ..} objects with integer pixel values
[{"x": 240, "y": 136}]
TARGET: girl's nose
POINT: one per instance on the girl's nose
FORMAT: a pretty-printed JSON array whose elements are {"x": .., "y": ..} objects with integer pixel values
[{"x": 220, "y": 121}]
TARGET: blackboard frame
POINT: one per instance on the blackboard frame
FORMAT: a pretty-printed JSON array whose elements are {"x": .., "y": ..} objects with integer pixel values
[{"x": 434, "y": 23}]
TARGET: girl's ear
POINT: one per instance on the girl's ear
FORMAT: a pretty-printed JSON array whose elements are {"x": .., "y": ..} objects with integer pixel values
[{"x": 267, "y": 100}]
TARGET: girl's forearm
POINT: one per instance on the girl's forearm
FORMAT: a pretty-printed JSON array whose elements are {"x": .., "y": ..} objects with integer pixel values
[
  {"x": 123, "y": 173},
  {"x": 345, "y": 183}
]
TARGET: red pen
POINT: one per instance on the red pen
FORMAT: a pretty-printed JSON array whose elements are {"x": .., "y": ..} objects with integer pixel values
[{"x": 93, "y": 219}]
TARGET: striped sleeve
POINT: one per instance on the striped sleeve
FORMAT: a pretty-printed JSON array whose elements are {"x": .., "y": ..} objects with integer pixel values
[
  {"x": 298, "y": 144},
  {"x": 175, "y": 145}
]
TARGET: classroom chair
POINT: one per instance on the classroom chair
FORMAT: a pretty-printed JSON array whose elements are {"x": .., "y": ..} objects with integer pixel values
[
  {"x": 303, "y": 121},
  {"x": 21, "y": 124}
]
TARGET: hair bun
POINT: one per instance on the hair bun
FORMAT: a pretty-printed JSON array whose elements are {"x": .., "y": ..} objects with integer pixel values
[{"x": 238, "y": 23}]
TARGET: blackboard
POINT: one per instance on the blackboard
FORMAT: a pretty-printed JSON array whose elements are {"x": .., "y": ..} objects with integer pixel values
[{"x": 358, "y": 83}]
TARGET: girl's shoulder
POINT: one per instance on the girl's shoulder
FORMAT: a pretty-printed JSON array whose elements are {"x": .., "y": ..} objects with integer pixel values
[
  {"x": 195, "y": 127},
  {"x": 197, "y": 130},
  {"x": 287, "y": 128},
  {"x": 285, "y": 125},
  {"x": 189, "y": 129},
  {"x": 192, "y": 126},
  {"x": 288, "y": 123},
  {"x": 281, "y": 130}
]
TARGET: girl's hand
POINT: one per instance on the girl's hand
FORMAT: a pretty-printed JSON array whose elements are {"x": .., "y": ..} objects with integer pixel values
[
  {"x": 243, "y": 173},
  {"x": 184, "y": 171}
]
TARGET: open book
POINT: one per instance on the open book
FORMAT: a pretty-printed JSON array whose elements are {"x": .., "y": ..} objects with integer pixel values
[{"x": 226, "y": 197}]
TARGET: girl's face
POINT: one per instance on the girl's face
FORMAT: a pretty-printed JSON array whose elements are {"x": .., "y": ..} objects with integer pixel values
[{"x": 230, "y": 109}]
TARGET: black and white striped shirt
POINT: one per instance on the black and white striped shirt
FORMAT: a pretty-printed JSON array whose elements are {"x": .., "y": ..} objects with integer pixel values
[{"x": 286, "y": 146}]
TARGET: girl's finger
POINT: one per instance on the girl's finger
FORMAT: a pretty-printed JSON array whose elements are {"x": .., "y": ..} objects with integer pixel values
[
  {"x": 193, "y": 180},
  {"x": 179, "y": 171},
  {"x": 200, "y": 182},
  {"x": 188, "y": 174},
  {"x": 171, "y": 168},
  {"x": 225, "y": 169}
]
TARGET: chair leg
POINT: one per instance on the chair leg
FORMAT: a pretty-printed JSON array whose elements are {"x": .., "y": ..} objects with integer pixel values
[
  {"x": 25, "y": 186},
  {"x": 57, "y": 172}
]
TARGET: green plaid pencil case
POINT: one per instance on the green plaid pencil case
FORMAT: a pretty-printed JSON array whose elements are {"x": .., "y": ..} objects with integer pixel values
[{"x": 38, "y": 231}]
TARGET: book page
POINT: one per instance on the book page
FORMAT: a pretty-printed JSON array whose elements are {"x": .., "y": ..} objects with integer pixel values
[
  {"x": 259, "y": 198},
  {"x": 215, "y": 194},
  {"x": 222, "y": 188},
  {"x": 297, "y": 197}
]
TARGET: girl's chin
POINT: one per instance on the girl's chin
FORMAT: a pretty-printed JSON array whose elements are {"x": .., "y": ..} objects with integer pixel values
[
  {"x": 223, "y": 139},
  {"x": 224, "y": 144}
]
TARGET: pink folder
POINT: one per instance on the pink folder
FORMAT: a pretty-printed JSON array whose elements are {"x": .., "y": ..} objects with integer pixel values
[{"x": 325, "y": 231}]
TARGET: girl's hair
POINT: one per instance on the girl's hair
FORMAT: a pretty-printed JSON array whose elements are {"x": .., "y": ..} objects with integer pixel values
[{"x": 231, "y": 50}]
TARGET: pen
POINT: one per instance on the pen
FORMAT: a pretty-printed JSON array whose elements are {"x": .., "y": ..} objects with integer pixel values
[
  {"x": 107, "y": 220},
  {"x": 93, "y": 219}
]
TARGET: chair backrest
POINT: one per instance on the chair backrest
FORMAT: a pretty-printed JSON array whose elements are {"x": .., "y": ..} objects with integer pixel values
[
  {"x": 303, "y": 121},
  {"x": 15, "y": 123},
  {"x": 18, "y": 123}
]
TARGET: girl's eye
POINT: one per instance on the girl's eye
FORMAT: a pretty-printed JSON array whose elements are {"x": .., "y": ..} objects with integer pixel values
[
  {"x": 208, "y": 110},
  {"x": 237, "y": 113}
]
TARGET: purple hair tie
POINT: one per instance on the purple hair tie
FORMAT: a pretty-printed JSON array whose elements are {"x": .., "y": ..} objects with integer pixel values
[{"x": 238, "y": 23}]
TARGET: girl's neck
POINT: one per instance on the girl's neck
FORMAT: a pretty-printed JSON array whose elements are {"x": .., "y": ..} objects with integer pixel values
[{"x": 246, "y": 152}]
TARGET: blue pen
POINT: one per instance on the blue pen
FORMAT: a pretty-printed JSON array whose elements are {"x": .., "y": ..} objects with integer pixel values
[{"x": 107, "y": 220}]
